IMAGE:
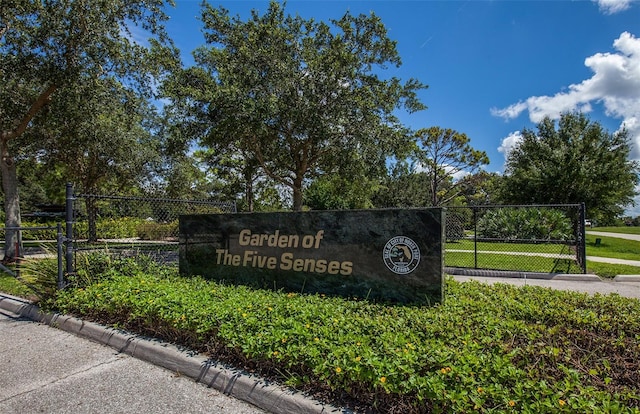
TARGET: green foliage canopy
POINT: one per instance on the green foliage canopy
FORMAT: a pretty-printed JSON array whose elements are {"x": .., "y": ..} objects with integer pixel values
[
  {"x": 575, "y": 161},
  {"x": 404, "y": 186},
  {"x": 335, "y": 192},
  {"x": 444, "y": 153},
  {"x": 525, "y": 223},
  {"x": 48, "y": 46},
  {"x": 302, "y": 97}
]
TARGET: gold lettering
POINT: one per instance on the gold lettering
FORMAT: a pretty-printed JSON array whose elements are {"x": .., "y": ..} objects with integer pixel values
[
  {"x": 225, "y": 258},
  {"x": 298, "y": 265},
  {"x": 246, "y": 238},
  {"x": 247, "y": 257},
  {"x": 272, "y": 241},
  {"x": 334, "y": 268},
  {"x": 346, "y": 268},
  {"x": 294, "y": 241},
  {"x": 310, "y": 265},
  {"x": 286, "y": 261},
  {"x": 307, "y": 242},
  {"x": 243, "y": 237},
  {"x": 321, "y": 266},
  {"x": 219, "y": 255}
]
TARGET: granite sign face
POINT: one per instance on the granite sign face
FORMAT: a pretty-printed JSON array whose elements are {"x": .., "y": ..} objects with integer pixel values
[{"x": 391, "y": 255}]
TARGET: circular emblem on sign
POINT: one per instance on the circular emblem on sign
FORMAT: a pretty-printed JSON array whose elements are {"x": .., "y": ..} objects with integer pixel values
[{"x": 401, "y": 255}]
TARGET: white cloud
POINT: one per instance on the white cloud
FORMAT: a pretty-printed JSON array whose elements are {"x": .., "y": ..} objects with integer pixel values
[
  {"x": 509, "y": 143},
  {"x": 613, "y": 6},
  {"x": 615, "y": 83},
  {"x": 455, "y": 172},
  {"x": 511, "y": 111}
]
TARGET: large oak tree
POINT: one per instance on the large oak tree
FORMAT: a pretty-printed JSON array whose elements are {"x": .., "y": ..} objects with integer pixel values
[
  {"x": 300, "y": 97},
  {"x": 46, "y": 46}
]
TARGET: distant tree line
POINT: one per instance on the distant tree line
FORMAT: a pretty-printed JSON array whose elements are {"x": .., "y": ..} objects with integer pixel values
[{"x": 278, "y": 112}]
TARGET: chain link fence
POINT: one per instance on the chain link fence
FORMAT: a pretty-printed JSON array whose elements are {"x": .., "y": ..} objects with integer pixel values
[
  {"x": 532, "y": 238},
  {"x": 131, "y": 226},
  {"x": 487, "y": 239}
]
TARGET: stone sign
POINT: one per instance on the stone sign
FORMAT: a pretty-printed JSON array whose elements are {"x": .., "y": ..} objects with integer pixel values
[{"x": 391, "y": 255}]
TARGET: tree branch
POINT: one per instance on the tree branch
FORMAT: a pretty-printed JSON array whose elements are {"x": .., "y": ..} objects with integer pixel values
[
  {"x": 22, "y": 124},
  {"x": 260, "y": 157},
  {"x": 4, "y": 30}
]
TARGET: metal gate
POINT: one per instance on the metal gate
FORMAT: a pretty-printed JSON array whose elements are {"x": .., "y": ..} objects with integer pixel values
[{"x": 522, "y": 238}]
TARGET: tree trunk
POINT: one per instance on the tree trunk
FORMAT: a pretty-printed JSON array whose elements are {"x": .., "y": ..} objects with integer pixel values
[
  {"x": 297, "y": 193},
  {"x": 13, "y": 238},
  {"x": 248, "y": 178},
  {"x": 434, "y": 187}
]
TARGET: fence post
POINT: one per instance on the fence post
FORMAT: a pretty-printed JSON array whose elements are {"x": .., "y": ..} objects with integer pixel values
[
  {"x": 59, "y": 240},
  {"x": 582, "y": 240},
  {"x": 475, "y": 237},
  {"x": 68, "y": 241}
]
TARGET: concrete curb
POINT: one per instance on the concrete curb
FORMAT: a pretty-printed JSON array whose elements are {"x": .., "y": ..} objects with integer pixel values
[
  {"x": 521, "y": 275},
  {"x": 269, "y": 397},
  {"x": 627, "y": 278},
  {"x": 578, "y": 277}
]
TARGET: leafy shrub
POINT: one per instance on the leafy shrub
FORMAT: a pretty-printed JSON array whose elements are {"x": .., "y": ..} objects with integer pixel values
[
  {"x": 106, "y": 228},
  {"x": 36, "y": 278},
  {"x": 94, "y": 267},
  {"x": 525, "y": 224},
  {"x": 150, "y": 230},
  {"x": 110, "y": 228},
  {"x": 485, "y": 349},
  {"x": 48, "y": 234}
]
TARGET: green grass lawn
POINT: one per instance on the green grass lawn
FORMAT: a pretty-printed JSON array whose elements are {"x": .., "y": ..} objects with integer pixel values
[
  {"x": 510, "y": 262},
  {"x": 608, "y": 247},
  {"x": 468, "y": 244},
  {"x": 613, "y": 247},
  {"x": 608, "y": 270},
  {"x": 621, "y": 229}
]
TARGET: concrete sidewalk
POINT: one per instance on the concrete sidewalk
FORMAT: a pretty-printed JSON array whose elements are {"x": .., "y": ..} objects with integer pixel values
[
  {"x": 635, "y": 237},
  {"x": 83, "y": 367},
  {"x": 48, "y": 370},
  {"x": 612, "y": 260}
]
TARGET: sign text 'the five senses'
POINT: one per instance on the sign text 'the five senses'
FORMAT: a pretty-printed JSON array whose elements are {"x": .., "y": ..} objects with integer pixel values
[{"x": 283, "y": 261}]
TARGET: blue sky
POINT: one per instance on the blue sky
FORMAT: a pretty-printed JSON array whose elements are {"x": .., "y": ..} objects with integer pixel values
[{"x": 493, "y": 67}]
